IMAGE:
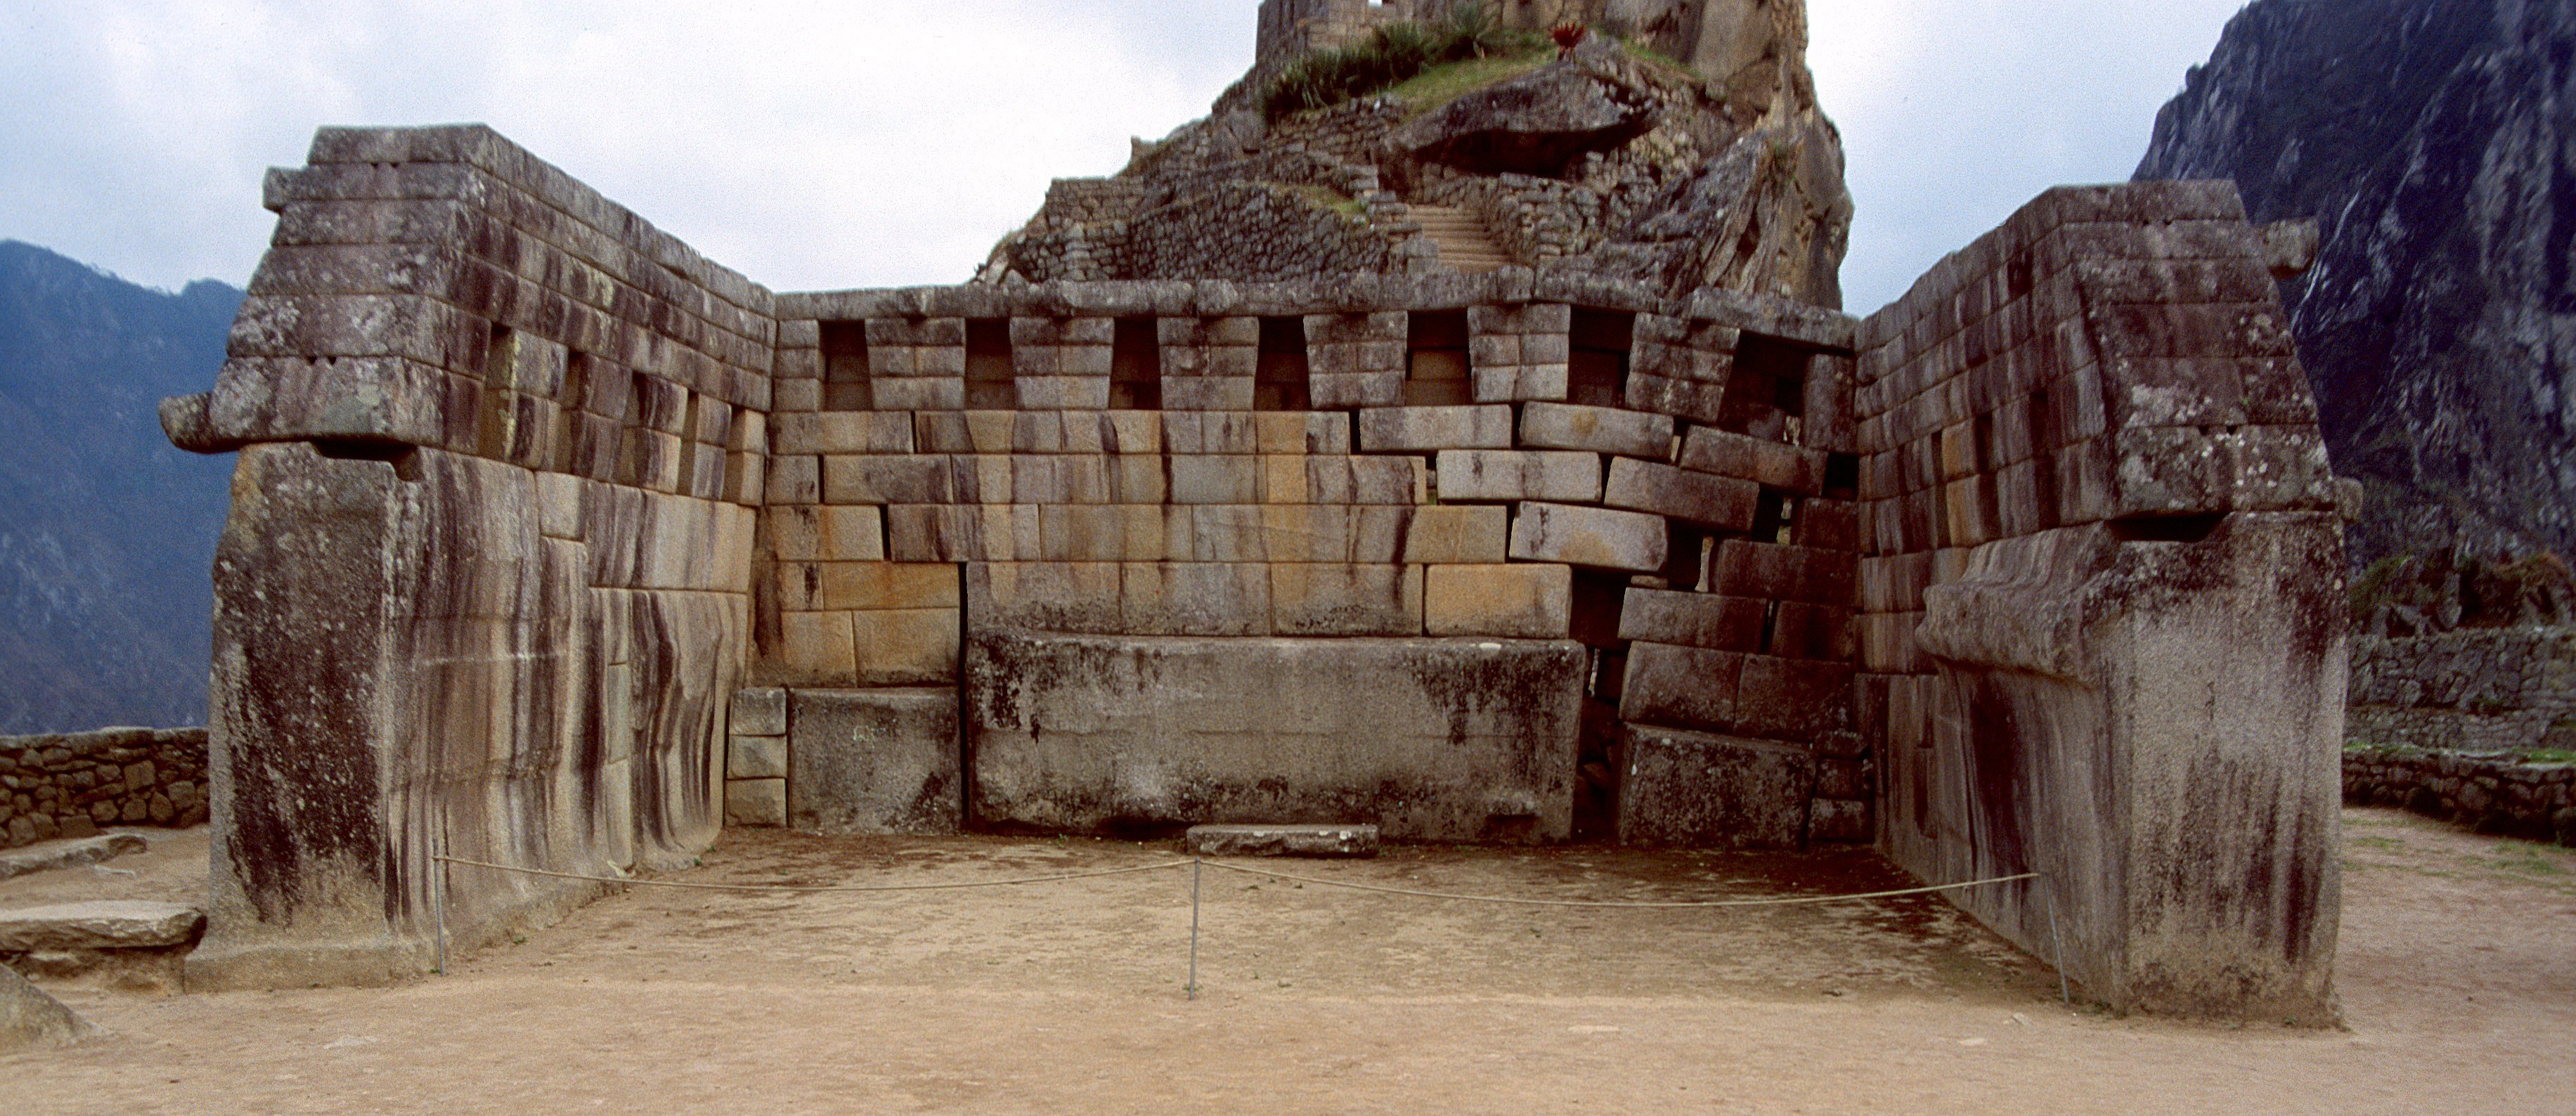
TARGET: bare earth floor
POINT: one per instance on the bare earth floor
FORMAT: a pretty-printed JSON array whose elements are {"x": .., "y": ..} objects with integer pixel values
[{"x": 2458, "y": 988}]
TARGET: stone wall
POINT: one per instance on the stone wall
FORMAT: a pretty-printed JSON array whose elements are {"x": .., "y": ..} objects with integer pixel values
[
  {"x": 2103, "y": 625},
  {"x": 70, "y": 784},
  {"x": 485, "y": 588},
  {"x": 1366, "y": 470},
  {"x": 2473, "y": 690},
  {"x": 2493, "y": 794}
]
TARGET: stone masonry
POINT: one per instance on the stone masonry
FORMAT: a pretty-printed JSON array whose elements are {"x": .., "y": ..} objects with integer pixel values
[
  {"x": 71, "y": 784},
  {"x": 554, "y": 544}
]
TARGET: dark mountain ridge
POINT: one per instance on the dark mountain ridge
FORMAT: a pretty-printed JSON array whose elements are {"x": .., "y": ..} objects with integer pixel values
[
  {"x": 107, "y": 533},
  {"x": 2431, "y": 140}
]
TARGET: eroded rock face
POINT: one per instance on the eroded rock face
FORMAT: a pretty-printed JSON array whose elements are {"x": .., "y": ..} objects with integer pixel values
[
  {"x": 1718, "y": 170},
  {"x": 2428, "y": 139}
]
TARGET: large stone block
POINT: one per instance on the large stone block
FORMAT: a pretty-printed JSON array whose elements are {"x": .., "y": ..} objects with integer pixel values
[
  {"x": 1720, "y": 502},
  {"x": 1681, "y": 687},
  {"x": 1598, "y": 537},
  {"x": 1787, "y": 573},
  {"x": 1333, "y": 599},
  {"x": 875, "y": 761},
  {"x": 1699, "y": 790},
  {"x": 1702, "y": 620},
  {"x": 1515, "y": 475},
  {"x": 1522, "y": 601},
  {"x": 1457, "y": 535},
  {"x": 1762, "y": 461},
  {"x": 1609, "y": 430},
  {"x": 1427, "y": 429},
  {"x": 1431, "y": 740}
]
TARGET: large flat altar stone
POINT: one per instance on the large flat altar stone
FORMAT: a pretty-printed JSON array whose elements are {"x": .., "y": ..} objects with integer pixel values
[
  {"x": 104, "y": 924},
  {"x": 1321, "y": 841},
  {"x": 1430, "y": 739}
]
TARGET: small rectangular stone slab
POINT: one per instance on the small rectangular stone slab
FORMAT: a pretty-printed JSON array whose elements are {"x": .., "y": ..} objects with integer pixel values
[
  {"x": 68, "y": 854},
  {"x": 1333, "y": 841},
  {"x": 104, "y": 924}
]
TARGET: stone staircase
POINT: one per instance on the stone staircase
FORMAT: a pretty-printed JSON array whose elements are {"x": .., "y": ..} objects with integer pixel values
[{"x": 1464, "y": 243}]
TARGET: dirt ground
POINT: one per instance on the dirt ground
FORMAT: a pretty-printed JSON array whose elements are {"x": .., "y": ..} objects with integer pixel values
[{"x": 2458, "y": 992}]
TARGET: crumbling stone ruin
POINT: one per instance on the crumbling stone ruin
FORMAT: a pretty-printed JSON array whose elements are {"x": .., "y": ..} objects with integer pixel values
[{"x": 555, "y": 544}]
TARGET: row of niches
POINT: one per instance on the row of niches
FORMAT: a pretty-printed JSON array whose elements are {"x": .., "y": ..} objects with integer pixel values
[{"x": 1718, "y": 376}]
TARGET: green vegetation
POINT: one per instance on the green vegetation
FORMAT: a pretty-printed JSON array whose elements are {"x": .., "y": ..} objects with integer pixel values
[
  {"x": 1442, "y": 84},
  {"x": 1334, "y": 201},
  {"x": 1395, "y": 53}
]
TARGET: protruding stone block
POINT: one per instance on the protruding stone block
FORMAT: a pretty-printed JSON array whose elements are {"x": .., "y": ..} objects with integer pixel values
[
  {"x": 1720, "y": 502},
  {"x": 1610, "y": 430},
  {"x": 1598, "y": 537},
  {"x": 876, "y": 761},
  {"x": 1702, "y": 620},
  {"x": 1787, "y": 573},
  {"x": 1764, "y": 462},
  {"x": 1327, "y": 842},
  {"x": 1701, "y": 790},
  {"x": 1522, "y": 601}
]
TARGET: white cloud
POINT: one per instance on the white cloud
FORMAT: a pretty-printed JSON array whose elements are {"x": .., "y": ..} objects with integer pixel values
[{"x": 856, "y": 143}]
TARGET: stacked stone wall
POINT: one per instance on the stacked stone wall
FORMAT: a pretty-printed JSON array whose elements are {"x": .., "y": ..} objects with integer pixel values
[
  {"x": 2061, "y": 426},
  {"x": 70, "y": 784},
  {"x": 1351, "y": 516},
  {"x": 485, "y": 587},
  {"x": 2476, "y": 690},
  {"x": 2494, "y": 794}
]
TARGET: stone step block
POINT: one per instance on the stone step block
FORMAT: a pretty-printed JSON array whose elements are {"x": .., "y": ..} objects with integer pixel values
[
  {"x": 1724, "y": 503},
  {"x": 876, "y": 762},
  {"x": 1767, "y": 463},
  {"x": 1511, "y": 476},
  {"x": 1704, "y": 790},
  {"x": 1428, "y": 429},
  {"x": 1513, "y": 601},
  {"x": 1609, "y": 430},
  {"x": 1702, "y": 620},
  {"x": 99, "y": 924},
  {"x": 1787, "y": 573},
  {"x": 1331, "y": 842},
  {"x": 1601, "y": 538}
]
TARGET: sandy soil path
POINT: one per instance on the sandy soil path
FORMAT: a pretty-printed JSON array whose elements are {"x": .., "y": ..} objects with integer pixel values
[{"x": 2456, "y": 976}]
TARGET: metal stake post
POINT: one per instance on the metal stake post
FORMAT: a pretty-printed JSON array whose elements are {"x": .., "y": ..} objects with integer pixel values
[
  {"x": 2057, "y": 943},
  {"x": 1194, "y": 930},
  {"x": 438, "y": 892}
]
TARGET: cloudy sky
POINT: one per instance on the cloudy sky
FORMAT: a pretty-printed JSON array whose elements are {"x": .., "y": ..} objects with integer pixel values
[{"x": 869, "y": 142}]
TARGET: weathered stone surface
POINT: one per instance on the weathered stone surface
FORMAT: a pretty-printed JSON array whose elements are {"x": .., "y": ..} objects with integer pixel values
[
  {"x": 1719, "y": 502},
  {"x": 1515, "y": 475},
  {"x": 1520, "y": 601},
  {"x": 1764, "y": 462},
  {"x": 1703, "y": 620},
  {"x": 1701, "y": 790},
  {"x": 760, "y": 712},
  {"x": 1610, "y": 430},
  {"x": 1430, "y": 429},
  {"x": 68, "y": 854},
  {"x": 29, "y": 1017},
  {"x": 1435, "y": 740},
  {"x": 1330, "y": 842},
  {"x": 1533, "y": 125},
  {"x": 756, "y": 802},
  {"x": 101, "y": 924},
  {"x": 1597, "y": 537},
  {"x": 875, "y": 761}
]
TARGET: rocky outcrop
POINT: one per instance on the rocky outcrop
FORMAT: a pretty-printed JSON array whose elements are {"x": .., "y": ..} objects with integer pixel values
[
  {"x": 1614, "y": 160},
  {"x": 2428, "y": 138},
  {"x": 29, "y": 1017}
]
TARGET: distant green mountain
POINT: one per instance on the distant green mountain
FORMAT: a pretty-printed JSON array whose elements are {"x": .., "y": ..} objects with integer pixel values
[{"x": 107, "y": 534}]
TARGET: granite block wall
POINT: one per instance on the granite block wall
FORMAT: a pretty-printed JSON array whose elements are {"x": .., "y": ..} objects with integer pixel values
[{"x": 71, "y": 784}]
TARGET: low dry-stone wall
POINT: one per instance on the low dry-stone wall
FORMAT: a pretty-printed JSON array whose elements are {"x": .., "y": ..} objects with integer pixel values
[
  {"x": 70, "y": 785},
  {"x": 2496, "y": 794},
  {"x": 2478, "y": 690}
]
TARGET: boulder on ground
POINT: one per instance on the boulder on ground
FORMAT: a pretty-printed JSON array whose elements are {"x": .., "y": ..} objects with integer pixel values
[
  {"x": 103, "y": 924},
  {"x": 29, "y": 1017}
]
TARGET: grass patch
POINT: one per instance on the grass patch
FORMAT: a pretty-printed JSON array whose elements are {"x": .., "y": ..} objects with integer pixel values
[
  {"x": 1439, "y": 85},
  {"x": 1334, "y": 201},
  {"x": 1391, "y": 55}
]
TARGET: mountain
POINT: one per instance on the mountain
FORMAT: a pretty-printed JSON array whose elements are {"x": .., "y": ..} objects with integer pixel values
[
  {"x": 107, "y": 533},
  {"x": 2431, "y": 141}
]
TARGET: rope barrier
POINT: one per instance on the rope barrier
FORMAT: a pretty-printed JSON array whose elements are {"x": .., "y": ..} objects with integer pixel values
[
  {"x": 1198, "y": 864},
  {"x": 816, "y": 890},
  {"x": 1790, "y": 901}
]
